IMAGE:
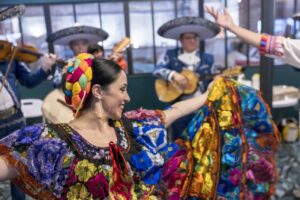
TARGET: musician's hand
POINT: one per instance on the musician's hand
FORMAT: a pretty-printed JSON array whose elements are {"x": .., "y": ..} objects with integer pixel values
[
  {"x": 180, "y": 80},
  {"x": 48, "y": 61},
  {"x": 116, "y": 56}
]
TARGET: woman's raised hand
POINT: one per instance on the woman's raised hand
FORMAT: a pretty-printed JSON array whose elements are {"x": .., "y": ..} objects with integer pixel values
[{"x": 224, "y": 20}]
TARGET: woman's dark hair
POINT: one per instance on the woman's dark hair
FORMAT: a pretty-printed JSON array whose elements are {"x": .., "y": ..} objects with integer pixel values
[{"x": 105, "y": 72}]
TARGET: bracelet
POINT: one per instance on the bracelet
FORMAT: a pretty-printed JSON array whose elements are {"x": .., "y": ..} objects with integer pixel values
[{"x": 264, "y": 43}]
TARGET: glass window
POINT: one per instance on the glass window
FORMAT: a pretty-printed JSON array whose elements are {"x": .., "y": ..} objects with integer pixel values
[
  {"x": 88, "y": 14},
  {"x": 112, "y": 20},
  {"x": 34, "y": 28},
  {"x": 237, "y": 50},
  {"x": 142, "y": 34},
  {"x": 215, "y": 46},
  {"x": 62, "y": 16},
  {"x": 163, "y": 12},
  {"x": 187, "y": 8},
  {"x": 9, "y": 29},
  {"x": 283, "y": 18}
]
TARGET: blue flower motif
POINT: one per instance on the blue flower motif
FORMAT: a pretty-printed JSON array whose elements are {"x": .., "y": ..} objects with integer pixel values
[
  {"x": 141, "y": 161},
  {"x": 169, "y": 150},
  {"x": 45, "y": 158},
  {"x": 152, "y": 136},
  {"x": 152, "y": 176},
  {"x": 196, "y": 122},
  {"x": 28, "y": 135}
]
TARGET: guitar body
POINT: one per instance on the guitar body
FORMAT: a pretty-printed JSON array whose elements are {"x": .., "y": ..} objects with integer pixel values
[
  {"x": 55, "y": 110},
  {"x": 168, "y": 91},
  {"x": 192, "y": 81}
]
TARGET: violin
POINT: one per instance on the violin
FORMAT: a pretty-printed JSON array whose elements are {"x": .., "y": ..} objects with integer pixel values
[{"x": 25, "y": 53}]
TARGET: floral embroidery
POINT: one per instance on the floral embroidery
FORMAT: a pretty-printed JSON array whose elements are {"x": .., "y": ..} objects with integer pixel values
[
  {"x": 225, "y": 119},
  {"x": 235, "y": 176},
  {"x": 45, "y": 159},
  {"x": 85, "y": 170},
  {"x": 98, "y": 186},
  {"x": 78, "y": 192}
]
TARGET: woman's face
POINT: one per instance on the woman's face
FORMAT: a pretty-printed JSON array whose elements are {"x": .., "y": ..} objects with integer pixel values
[{"x": 115, "y": 96}]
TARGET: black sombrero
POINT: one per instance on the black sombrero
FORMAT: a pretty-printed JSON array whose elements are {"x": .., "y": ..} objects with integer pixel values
[
  {"x": 65, "y": 36},
  {"x": 296, "y": 16},
  {"x": 13, "y": 11},
  {"x": 203, "y": 27}
]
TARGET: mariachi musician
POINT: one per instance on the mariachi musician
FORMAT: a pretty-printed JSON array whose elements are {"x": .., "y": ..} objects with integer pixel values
[
  {"x": 14, "y": 71},
  {"x": 188, "y": 30}
]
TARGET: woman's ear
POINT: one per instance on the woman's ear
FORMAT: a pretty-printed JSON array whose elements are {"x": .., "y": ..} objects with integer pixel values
[{"x": 97, "y": 91}]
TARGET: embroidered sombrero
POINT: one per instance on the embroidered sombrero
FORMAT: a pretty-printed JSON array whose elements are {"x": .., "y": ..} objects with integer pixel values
[
  {"x": 203, "y": 27},
  {"x": 65, "y": 36},
  {"x": 13, "y": 11}
]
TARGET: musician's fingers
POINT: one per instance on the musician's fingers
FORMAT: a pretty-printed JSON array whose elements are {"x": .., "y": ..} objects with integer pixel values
[{"x": 46, "y": 55}]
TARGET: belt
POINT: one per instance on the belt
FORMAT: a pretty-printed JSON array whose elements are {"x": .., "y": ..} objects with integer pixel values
[{"x": 4, "y": 114}]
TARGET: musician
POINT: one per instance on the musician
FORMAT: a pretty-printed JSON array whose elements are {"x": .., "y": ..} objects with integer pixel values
[
  {"x": 11, "y": 116},
  {"x": 188, "y": 30},
  {"x": 98, "y": 52},
  {"x": 77, "y": 38}
]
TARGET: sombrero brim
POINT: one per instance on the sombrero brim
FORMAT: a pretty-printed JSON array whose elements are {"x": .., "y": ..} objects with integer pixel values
[
  {"x": 174, "y": 28},
  {"x": 296, "y": 16},
  {"x": 65, "y": 36},
  {"x": 13, "y": 11}
]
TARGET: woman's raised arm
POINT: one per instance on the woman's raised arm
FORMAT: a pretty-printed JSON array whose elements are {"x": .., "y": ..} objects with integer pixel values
[{"x": 183, "y": 108}]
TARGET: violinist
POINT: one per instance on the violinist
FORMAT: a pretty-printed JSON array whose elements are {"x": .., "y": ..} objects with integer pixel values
[{"x": 13, "y": 72}]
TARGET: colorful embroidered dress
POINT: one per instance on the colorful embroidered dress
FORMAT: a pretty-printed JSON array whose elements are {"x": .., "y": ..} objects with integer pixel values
[{"x": 226, "y": 152}]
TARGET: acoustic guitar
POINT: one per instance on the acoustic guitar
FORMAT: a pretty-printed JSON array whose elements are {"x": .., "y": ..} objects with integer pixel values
[
  {"x": 55, "y": 109},
  {"x": 168, "y": 91}
]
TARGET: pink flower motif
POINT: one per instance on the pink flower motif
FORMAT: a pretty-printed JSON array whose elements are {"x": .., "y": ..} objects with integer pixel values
[
  {"x": 72, "y": 178},
  {"x": 98, "y": 186},
  {"x": 140, "y": 114},
  {"x": 249, "y": 195},
  {"x": 250, "y": 175},
  {"x": 235, "y": 176},
  {"x": 262, "y": 170}
]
